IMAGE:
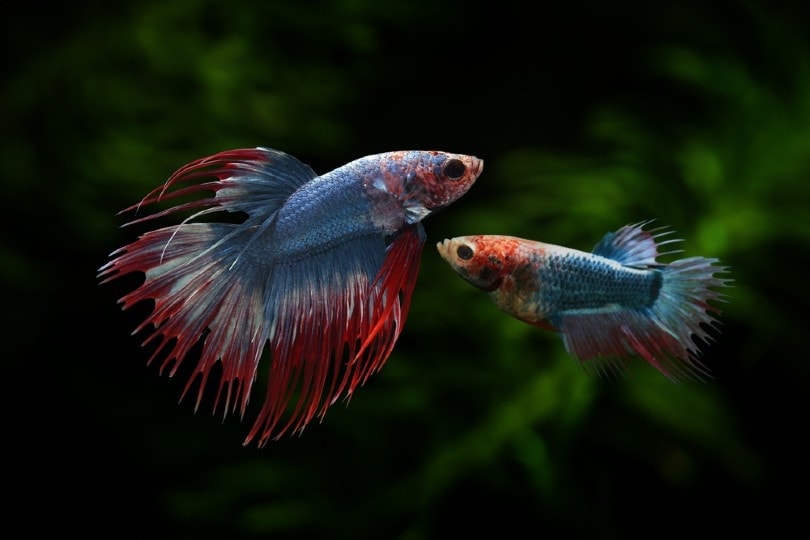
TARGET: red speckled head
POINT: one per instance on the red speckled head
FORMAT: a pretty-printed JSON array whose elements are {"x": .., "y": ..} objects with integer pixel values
[
  {"x": 483, "y": 260},
  {"x": 425, "y": 181}
]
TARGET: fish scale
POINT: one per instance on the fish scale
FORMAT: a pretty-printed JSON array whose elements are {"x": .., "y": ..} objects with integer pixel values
[
  {"x": 335, "y": 209},
  {"x": 571, "y": 282}
]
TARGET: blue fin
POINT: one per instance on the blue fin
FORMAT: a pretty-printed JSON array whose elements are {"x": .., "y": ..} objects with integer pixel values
[
  {"x": 633, "y": 246},
  {"x": 256, "y": 181}
]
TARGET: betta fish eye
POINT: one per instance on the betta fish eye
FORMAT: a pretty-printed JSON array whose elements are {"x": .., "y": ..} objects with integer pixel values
[
  {"x": 454, "y": 169},
  {"x": 464, "y": 253}
]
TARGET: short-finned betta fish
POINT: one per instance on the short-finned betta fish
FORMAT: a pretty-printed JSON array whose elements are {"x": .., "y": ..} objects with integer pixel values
[
  {"x": 319, "y": 271},
  {"x": 608, "y": 305}
]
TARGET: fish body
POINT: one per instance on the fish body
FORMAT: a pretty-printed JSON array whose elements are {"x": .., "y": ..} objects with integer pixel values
[
  {"x": 319, "y": 272},
  {"x": 613, "y": 303}
]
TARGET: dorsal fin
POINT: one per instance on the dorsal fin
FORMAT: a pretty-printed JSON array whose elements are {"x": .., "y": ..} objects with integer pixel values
[
  {"x": 256, "y": 181},
  {"x": 633, "y": 246}
]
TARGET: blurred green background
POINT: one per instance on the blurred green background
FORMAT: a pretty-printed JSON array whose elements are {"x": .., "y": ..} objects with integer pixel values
[{"x": 589, "y": 115}]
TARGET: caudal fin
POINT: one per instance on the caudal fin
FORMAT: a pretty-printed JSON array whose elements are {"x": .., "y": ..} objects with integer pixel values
[
  {"x": 685, "y": 310},
  {"x": 198, "y": 287},
  {"x": 666, "y": 334},
  {"x": 204, "y": 284}
]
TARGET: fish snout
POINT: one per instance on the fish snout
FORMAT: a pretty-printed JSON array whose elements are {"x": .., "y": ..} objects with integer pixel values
[
  {"x": 443, "y": 247},
  {"x": 477, "y": 166}
]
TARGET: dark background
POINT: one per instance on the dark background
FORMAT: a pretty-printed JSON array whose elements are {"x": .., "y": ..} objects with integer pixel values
[{"x": 589, "y": 115}]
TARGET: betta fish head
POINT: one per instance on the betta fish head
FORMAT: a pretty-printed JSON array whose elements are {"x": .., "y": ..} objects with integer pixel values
[
  {"x": 426, "y": 181},
  {"x": 484, "y": 261}
]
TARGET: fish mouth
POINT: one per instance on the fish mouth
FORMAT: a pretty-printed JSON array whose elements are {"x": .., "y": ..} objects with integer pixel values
[
  {"x": 443, "y": 247},
  {"x": 478, "y": 166}
]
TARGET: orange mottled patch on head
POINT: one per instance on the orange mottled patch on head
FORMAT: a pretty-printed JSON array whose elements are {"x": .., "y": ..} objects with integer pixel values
[{"x": 486, "y": 261}]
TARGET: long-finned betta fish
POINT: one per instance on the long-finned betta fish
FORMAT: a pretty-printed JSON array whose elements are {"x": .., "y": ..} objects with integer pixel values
[
  {"x": 611, "y": 304},
  {"x": 321, "y": 270}
]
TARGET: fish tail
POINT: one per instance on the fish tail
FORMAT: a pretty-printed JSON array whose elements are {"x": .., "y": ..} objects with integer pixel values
[
  {"x": 207, "y": 287},
  {"x": 666, "y": 334},
  {"x": 199, "y": 293},
  {"x": 686, "y": 308}
]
